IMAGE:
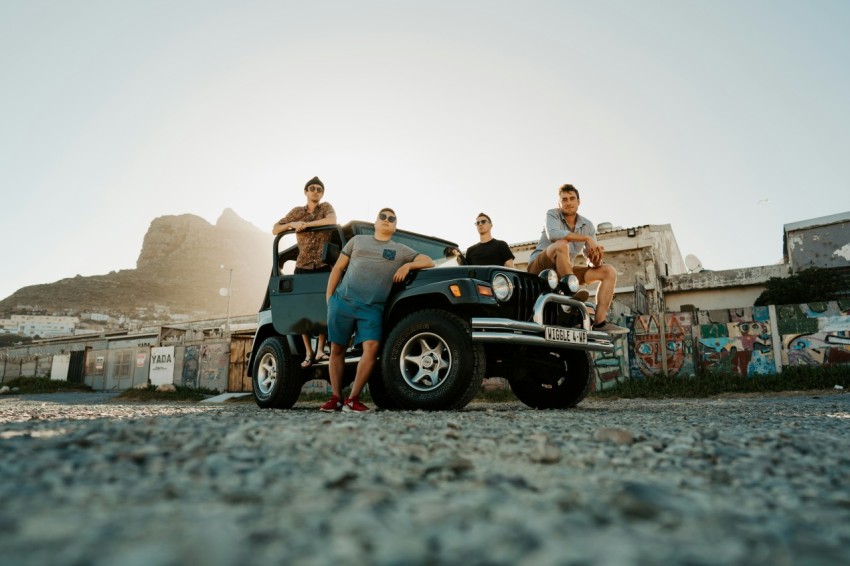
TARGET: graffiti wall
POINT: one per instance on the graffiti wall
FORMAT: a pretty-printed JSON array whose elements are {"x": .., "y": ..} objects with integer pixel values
[
  {"x": 815, "y": 333},
  {"x": 736, "y": 340},
  {"x": 215, "y": 362},
  {"x": 648, "y": 341},
  {"x": 191, "y": 366},
  {"x": 609, "y": 367}
]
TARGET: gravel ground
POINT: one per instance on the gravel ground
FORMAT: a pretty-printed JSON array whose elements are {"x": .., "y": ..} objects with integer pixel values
[{"x": 738, "y": 480}]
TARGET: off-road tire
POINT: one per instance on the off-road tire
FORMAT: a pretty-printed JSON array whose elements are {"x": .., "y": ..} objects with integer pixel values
[
  {"x": 559, "y": 379},
  {"x": 277, "y": 377},
  {"x": 430, "y": 362}
]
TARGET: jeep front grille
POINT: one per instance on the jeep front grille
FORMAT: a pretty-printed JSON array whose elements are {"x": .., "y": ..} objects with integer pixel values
[{"x": 526, "y": 290}]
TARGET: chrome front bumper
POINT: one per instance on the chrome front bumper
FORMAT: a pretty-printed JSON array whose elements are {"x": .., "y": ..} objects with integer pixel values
[{"x": 516, "y": 333}]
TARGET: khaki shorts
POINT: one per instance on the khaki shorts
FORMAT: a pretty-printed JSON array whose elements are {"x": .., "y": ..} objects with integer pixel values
[{"x": 543, "y": 261}]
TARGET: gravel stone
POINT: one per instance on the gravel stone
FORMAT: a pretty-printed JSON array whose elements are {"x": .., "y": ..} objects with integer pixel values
[{"x": 736, "y": 480}]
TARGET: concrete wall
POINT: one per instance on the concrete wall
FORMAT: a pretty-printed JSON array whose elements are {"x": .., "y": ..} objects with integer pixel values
[
  {"x": 823, "y": 242},
  {"x": 728, "y": 298},
  {"x": 727, "y": 289},
  {"x": 123, "y": 363}
]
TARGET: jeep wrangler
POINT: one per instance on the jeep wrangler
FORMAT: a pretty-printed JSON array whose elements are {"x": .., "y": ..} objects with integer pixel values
[{"x": 445, "y": 329}]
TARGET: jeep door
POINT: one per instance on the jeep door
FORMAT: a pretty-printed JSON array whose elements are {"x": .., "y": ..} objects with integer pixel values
[{"x": 297, "y": 301}]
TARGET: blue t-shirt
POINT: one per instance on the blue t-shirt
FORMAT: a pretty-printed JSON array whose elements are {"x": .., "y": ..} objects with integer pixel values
[{"x": 369, "y": 276}]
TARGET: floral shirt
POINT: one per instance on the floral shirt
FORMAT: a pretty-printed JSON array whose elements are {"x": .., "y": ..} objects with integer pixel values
[{"x": 310, "y": 243}]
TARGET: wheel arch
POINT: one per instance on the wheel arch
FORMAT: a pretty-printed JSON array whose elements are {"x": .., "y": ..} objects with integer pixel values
[{"x": 437, "y": 296}]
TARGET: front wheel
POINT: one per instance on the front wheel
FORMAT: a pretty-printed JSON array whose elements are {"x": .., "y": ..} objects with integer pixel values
[
  {"x": 277, "y": 380},
  {"x": 560, "y": 379},
  {"x": 430, "y": 362}
]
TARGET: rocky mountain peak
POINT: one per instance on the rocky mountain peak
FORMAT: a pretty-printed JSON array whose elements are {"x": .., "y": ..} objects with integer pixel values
[{"x": 179, "y": 265}]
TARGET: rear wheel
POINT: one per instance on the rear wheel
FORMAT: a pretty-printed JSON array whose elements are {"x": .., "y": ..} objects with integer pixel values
[
  {"x": 429, "y": 362},
  {"x": 277, "y": 380},
  {"x": 560, "y": 379}
]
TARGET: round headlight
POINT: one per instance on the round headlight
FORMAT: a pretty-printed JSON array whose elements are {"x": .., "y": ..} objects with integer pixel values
[
  {"x": 569, "y": 284},
  {"x": 549, "y": 278},
  {"x": 503, "y": 289}
]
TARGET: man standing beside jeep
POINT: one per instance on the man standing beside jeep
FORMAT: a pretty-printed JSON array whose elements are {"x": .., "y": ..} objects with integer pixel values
[
  {"x": 371, "y": 265},
  {"x": 315, "y": 213},
  {"x": 566, "y": 234}
]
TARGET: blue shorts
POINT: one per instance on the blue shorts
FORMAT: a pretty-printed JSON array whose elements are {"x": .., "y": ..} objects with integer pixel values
[{"x": 345, "y": 316}]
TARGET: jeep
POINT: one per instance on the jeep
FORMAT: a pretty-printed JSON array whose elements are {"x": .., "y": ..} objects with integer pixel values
[{"x": 445, "y": 329}]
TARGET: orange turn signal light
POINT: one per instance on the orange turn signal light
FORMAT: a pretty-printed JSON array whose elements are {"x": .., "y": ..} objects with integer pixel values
[
  {"x": 485, "y": 291},
  {"x": 455, "y": 289}
]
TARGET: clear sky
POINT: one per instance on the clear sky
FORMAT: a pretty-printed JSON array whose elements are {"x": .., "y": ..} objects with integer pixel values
[{"x": 725, "y": 119}]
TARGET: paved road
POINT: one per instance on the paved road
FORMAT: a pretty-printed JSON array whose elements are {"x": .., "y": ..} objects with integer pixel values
[{"x": 743, "y": 480}]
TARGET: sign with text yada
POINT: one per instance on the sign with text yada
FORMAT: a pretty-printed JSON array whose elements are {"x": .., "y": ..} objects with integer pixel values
[{"x": 162, "y": 365}]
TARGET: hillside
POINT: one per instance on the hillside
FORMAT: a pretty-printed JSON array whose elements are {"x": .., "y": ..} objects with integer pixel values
[{"x": 178, "y": 268}]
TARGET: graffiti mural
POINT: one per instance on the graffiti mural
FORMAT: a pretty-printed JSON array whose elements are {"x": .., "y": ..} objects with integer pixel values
[
  {"x": 724, "y": 316},
  {"x": 744, "y": 348},
  {"x": 646, "y": 348},
  {"x": 215, "y": 362},
  {"x": 191, "y": 364},
  {"x": 609, "y": 370},
  {"x": 825, "y": 335},
  {"x": 736, "y": 340}
]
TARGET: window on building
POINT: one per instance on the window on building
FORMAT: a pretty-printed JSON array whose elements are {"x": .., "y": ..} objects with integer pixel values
[
  {"x": 94, "y": 368},
  {"x": 122, "y": 363}
]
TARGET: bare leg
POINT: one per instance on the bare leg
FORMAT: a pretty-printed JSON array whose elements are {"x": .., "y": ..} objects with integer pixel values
[
  {"x": 364, "y": 366},
  {"x": 607, "y": 277},
  {"x": 320, "y": 348},
  {"x": 308, "y": 346},
  {"x": 559, "y": 253},
  {"x": 337, "y": 368}
]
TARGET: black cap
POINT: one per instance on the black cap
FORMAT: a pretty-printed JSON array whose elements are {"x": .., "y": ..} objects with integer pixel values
[{"x": 314, "y": 181}]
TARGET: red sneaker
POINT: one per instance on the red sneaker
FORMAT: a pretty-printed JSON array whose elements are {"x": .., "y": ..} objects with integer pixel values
[
  {"x": 333, "y": 405},
  {"x": 353, "y": 405}
]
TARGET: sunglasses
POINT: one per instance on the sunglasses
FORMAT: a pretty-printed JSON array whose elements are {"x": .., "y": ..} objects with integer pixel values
[
  {"x": 480, "y": 222},
  {"x": 315, "y": 189},
  {"x": 388, "y": 218}
]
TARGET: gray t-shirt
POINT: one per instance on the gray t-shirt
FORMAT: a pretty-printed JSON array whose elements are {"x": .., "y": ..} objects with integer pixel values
[
  {"x": 369, "y": 276},
  {"x": 556, "y": 229}
]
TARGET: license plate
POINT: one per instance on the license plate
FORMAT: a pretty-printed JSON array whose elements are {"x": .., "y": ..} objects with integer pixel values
[{"x": 570, "y": 335}]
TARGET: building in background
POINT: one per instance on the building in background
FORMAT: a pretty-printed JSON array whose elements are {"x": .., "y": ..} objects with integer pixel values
[
  {"x": 818, "y": 242},
  {"x": 40, "y": 325}
]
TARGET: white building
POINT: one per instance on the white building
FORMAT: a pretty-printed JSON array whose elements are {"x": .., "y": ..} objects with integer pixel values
[{"x": 40, "y": 325}]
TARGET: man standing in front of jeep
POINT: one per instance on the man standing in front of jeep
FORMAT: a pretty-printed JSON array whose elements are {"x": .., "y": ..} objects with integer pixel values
[
  {"x": 489, "y": 250},
  {"x": 567, "y": 234},
  {"x": 356, "y": 304},
  {"x": 315, "y": 213}
]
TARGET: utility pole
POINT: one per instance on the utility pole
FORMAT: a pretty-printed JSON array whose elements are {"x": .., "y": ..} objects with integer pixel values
[{"x": 229, "y": 287}]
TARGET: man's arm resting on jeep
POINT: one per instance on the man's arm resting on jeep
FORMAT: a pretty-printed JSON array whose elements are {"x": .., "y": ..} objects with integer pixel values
[
  {"x": 281, "y": 226},
  {"x": 421, "y": 261},
  {"x": 326, "y": 221},
  {"x": 336, "y": 275}
]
